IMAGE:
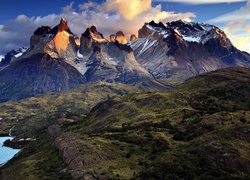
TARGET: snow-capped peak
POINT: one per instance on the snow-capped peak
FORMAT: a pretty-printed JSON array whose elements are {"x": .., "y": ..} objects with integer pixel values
[{"x": 189, "y": 31}]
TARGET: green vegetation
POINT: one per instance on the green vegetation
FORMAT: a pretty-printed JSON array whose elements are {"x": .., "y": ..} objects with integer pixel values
[
  {"x": 198, "y": 130},
  {"x": 38, "y": 160},
  {"x": 34, "y": 115}
]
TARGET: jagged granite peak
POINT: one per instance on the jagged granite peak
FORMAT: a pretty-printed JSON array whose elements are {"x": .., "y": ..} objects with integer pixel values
[
  {"x": 110, "y": 61},
  {"x": 89, "y": 37},
  {"x": 63, "y": 26},
  {"x": 183, "y": 49},
  {"x": 58, "y": 42},
  {"x": 120, "y": 37},
  {"x": 198, "y": 32},
  {"x": 133, "y": 37},
  {"x": 93, "y": 33},
  {"x": 151, "y": 29},
  {"x": 114, "y": 62}
]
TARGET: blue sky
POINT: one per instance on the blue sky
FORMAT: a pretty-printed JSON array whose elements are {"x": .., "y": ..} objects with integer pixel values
[{"x": 19, "y": 18}]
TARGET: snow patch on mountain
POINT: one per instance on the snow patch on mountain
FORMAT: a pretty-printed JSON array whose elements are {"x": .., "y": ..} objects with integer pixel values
[
  {"x": 192, "y": 39},
  {"x": 79, "y": 54},
  {"x": 18, "y": 55},
  {"x": 191, "y": 31},
  {"x": 148, "y": 44},
  {"x": 1, "y": 57},
  {"x": 160, "y": 30}
]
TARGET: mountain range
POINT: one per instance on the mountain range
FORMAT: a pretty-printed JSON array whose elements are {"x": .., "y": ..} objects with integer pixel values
[
  {"x": 172, "y": 103},
  {"x": 58, "y": 60}
]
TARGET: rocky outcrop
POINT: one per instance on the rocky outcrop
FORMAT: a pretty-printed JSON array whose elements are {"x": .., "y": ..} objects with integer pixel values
[
  {"x": 73, "y": 151},
  {"x": 68, "y": 147},
  {"x": 43, "y": 30},
  {"x": 63, "y": 26},
  {"x": 120, "y": 37},
  {"x": 112, "y": 38},
  {"x": 89, "y": 39},
  {"x": 58, "y": 42},
  {"x": 133, "y": 37}
]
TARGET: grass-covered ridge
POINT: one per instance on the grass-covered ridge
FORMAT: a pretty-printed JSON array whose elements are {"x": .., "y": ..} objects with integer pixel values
[
  {"x": 30, "y": 116},
  {"x": 199, "y": 129}
]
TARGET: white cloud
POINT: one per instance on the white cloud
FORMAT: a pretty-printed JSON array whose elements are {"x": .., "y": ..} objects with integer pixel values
[
  {"x": 129, "y": 9},
  {"x": 239, "y": 33},
  {"x": 237, "y": 26},
  {"x": 201, "y": 1},
  {"x": 109, "y": 17},
  {"x": 242, "y": 13}
]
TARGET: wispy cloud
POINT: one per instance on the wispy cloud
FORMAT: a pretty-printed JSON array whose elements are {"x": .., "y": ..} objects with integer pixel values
[
  {"x": 237, "y": 26},
  {"x": 109, "y": 17},
  {"x": 201, "y": 1}
]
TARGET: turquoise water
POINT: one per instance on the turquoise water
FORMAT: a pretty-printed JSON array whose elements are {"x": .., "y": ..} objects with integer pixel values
[{"x": 6, "y": 153}]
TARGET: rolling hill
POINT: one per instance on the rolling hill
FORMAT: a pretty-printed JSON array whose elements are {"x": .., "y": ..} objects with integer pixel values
[{"x": 198, "y": 130}]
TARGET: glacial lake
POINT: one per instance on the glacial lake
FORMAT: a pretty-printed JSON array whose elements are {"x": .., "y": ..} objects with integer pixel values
[{"x": 6, "y": 153}]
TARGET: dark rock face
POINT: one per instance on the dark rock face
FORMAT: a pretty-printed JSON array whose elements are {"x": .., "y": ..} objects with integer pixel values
[
  {"x": 12, "y": 55},
  {"x": 42, "y": 30},
  {"x": 89, "y": 39},
  {"x": 37, "y": 75},
  {"x": 62, "y": 26},
  {"x": 6, "y": 60},
  {"x": 92, "y": 30}
]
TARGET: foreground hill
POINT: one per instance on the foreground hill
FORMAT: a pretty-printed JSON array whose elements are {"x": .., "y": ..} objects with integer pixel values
[{"x": 198, "y": 130}]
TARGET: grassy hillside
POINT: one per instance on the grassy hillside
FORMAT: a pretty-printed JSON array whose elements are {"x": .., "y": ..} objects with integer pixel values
[
  {"x": 198, "y": 130},
  {"x": 30, "y": 116}
]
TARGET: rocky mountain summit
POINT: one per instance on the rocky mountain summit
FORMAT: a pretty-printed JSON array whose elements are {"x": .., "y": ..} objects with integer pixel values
[
  {"x": 183, "y": 49},
  {"x": 175, "y": 50},
  {"x": 109, "y": 61}
]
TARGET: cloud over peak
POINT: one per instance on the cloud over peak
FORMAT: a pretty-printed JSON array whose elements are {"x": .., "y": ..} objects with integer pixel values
[
  {"x": 237, "y": 26},
  {"x": 109, "y": 17},
  {"x": 201, "y": 1},
  {"x": 129, "y": 9}
]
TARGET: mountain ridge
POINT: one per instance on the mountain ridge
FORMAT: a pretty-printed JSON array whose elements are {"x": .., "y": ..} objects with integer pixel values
[{"x": 175, "y": 50}]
